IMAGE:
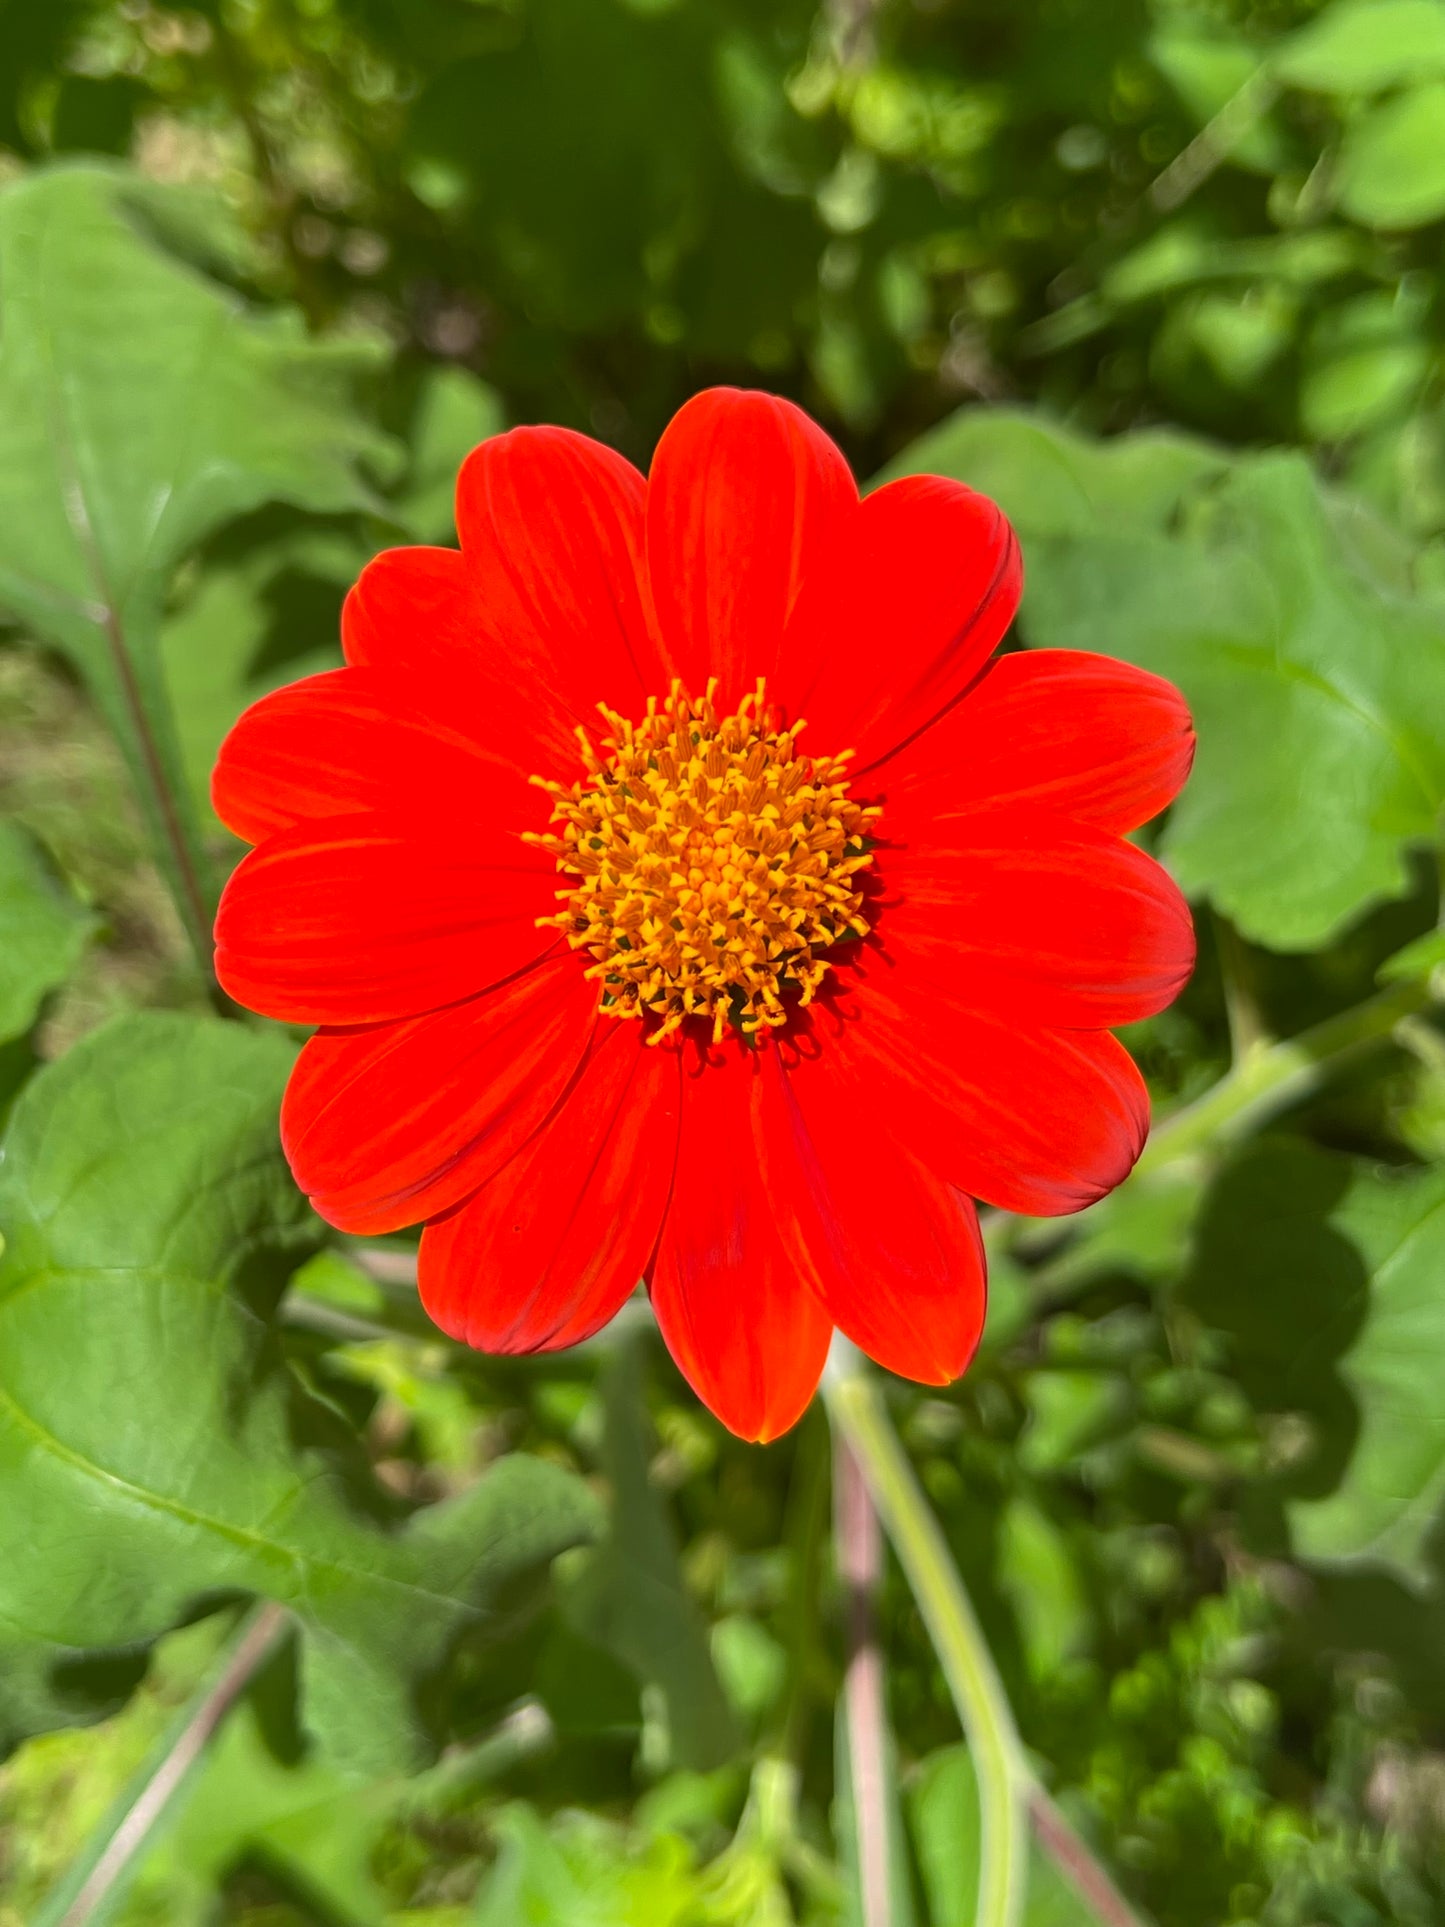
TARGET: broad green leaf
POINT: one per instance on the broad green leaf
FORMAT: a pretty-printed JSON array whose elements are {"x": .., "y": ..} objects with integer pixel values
[
  {"x": 1317, "y": 686},
  {"x": 943, "y": 1816},
  {"x": 1325, "y": 1273},
  {"x": 1053, "y": 482},
  {"x": 154, "y": 1447},
  {"x": 265, "y": 607},
  {"x": 43, "y": 930},
  {"x": 142, "y": 406},
  {"x": 630, "y": 1599},
  {"x": 1364, "y": 46},
  {"x": 1315, "y": 692},
  {"x": 1392, "y": 165},
  {"x": 587, "y": 1873}
]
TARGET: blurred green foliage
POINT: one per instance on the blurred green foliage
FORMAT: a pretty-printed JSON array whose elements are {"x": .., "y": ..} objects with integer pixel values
[{"x": 267, "y": 269}]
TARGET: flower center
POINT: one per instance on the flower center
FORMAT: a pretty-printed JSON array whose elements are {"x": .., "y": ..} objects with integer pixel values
[{"x": 710, "y": 865}]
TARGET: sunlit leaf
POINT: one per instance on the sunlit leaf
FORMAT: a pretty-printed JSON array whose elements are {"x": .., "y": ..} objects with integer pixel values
[
  {"x": 154, "y": 1448},
  {"x": 1317, "y": 686},
  {"x": 586, "y": 1872},
  {"x": 1392, "y": 164},
  {"x": 142, "y": 406},
  {"x": 1364, "y": 46}
]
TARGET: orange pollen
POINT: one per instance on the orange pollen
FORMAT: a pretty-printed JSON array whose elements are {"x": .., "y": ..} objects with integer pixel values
[{"x": 710, "y": 866}]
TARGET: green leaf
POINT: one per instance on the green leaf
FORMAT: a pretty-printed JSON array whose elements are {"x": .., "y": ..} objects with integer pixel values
[
  {"x": 1317, "y": 687},
  {"x": 1053, "y": 482},
  {"x": 142, "y": 406},
  {"x": 154, "y": 1446},
  {"x": 44, "y": 930},
  {"x": 587, "y": 1873},
  {"x": 1364, "y": 46},
  {"x": 1325, "y": 1273},
  {"x": 630, "y": 1599},
  {"x": 1391, "y": 170}
]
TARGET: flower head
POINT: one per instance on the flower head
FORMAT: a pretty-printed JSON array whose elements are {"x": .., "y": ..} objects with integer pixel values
[{"x": 684, "y": 891}]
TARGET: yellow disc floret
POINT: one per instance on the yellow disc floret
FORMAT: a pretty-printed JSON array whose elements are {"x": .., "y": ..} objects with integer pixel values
[{"x": 710, "y": 865}]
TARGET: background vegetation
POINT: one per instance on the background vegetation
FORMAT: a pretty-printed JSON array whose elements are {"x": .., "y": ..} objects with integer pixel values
[{"x": 1167, "y": 280}]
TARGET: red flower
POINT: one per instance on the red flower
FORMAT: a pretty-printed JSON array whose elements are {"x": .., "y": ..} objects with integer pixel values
[{"x": 621, "y": 974}]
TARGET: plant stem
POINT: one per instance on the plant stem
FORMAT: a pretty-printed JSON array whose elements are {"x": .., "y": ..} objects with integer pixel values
[
  {"x": 1270, "y": 1077},
  {"x": 859, "y": 1550},
  {"x": 1003, "y": 1779},
  {"x": 1247, "y": 1032},
  {"x": 1214, "y": 142},
  {"x": 129, "y": 1824},
  {"x": 1010, "y": 1797}
]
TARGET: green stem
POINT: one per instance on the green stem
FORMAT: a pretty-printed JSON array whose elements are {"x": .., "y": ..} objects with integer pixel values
[
  {"x": 1271, "y": 1077},
  {"x": 1004, "y": 1781},
  {"x": 1214, "y": 142}
]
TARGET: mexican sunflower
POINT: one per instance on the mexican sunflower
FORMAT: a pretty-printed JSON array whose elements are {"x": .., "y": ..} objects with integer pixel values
[{"x": 622, "y": 972}]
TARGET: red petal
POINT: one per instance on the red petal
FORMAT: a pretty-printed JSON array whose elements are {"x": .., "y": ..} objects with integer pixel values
[
  {"x": 543, "y": 613},
  {"x": 551, "y": 1247},
  {"x": 411, "y": 610},
  {"x": 1037, "y": 1121},
  {"x": 743, "y": 502},
  {"x": 747, "y": 1333},
  {"x": 1080, "y": 735},
  {"x": 921, "y": 586},
  {"x": 419, "y": 616},
  {"x": 363, "y": 919},
  {"x": 894, "y": 1253},
  {"x": 551, "y": 526},
  {"x": 358, "y": 739},
  {"x": 391, "y": 1124},
  {"x": 1042, "y": 921}
]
